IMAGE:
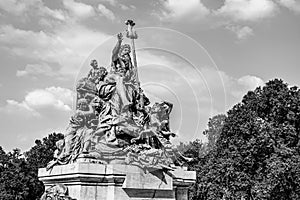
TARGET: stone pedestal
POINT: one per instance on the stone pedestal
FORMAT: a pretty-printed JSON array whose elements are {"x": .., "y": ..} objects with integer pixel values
[{"x": 90, "y": 181}]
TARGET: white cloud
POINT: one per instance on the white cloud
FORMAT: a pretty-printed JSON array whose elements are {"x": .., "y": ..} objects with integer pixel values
[
  {"x": 111, "y": 2},
  {"x": 27, "y": 7},
  {"x": 56, "y": 14},
  {"x": 247, "y": 10},
  {"x": 36, "y": 69},
  {"x": 290, "y": 4},
  {"x": 14, "y": 107},
  {"x": 250, "y": 82},
  {"x": 148, "y": 58},
  {"x": 241, "y": 86},
  {"x": 16, "y": 7},
  {"x": 106, "y": 12},
  {"x": 68, "y": 46},
  {"x": 189, "y": 10},
  {"x": 56, "y": 98},
  {"x": 124, "y": 7},
  {"x": 242, "y": 32},
  {"x": 234, "y": 88},
  {"x": 79, "y": 9}
]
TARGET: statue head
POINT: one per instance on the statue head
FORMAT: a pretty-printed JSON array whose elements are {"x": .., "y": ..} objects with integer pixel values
[
  {"x": 125, "y": 49},
  {"x": 102, "y": 73},
  {"x": 163, "y": 108},
  {"x": 94, "y": 63},
  {"x": 97, "y": 75},
  {"x": 82, "y": 104}
]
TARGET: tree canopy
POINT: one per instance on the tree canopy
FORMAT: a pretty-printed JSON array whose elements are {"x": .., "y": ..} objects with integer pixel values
[
  {"x": 256, "y": 155},
  {"x": 19, "y": 173}
]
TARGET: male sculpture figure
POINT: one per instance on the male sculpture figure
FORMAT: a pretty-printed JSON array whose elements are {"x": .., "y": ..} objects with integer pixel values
[
  {"x": 121, "y": 60},
  {"x": 94, "y": 70}
]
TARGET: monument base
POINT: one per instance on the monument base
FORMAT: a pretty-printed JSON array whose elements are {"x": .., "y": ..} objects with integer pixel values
[{"x": 91, "y": 181}]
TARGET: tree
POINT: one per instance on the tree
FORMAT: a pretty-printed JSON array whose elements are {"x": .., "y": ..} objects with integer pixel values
[
  {"x": 197, "y": 149},
  {"x": 201, "y": 151},
  {"x": 215, "y": 125},
  {"x": 257, "y": 155},
  {"x": 42, "y": 152},
  {"x": 19, "y": 174},
  {"x": 192, "y": 149},
  {"x": 17, "y": 180}
]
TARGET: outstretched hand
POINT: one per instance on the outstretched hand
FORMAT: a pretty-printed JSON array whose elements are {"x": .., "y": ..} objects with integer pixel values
[{"x": 120, "y": 37}]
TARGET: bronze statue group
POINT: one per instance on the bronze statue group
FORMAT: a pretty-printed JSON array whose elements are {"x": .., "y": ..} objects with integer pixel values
[{"x": 115, "y": 122}]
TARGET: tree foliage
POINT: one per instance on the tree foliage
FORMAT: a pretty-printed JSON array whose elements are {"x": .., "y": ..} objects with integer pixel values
[
  {"x": 198, "y": 149},
  {"x": 215, "y": 125},
  {"x": 192, "y": 149},
  {"x": 19, "y": 173},
  {"x": 257, "y": 153},
  {"x": 42, "y": 152}
]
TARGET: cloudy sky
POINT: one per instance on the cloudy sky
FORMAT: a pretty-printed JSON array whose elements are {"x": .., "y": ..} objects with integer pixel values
[{"x": 201, "y": 55}]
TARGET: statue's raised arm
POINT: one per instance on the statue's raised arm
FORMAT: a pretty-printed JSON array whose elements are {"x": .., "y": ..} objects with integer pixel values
[{"x": 117, "y": 48}]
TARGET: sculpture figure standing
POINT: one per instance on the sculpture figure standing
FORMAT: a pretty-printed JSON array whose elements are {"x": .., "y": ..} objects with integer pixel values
[{"x": 121, "y": 60}]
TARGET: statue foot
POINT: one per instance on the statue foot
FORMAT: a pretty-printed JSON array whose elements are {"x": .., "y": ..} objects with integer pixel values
[
  {"x": 86, "y": 155},
  {"x": 167, "y": 167},
  {"x": 134, "y": 140},
  {"x": 187, "y": 159},
  {"x": 85, "y": 152},
  {"x": 51, "y": 164}
]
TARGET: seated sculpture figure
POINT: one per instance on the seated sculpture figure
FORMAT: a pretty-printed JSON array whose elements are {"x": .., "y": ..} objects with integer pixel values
[
  {"x": 95, "y": 69},
  {"x": 75, "y": 141}
]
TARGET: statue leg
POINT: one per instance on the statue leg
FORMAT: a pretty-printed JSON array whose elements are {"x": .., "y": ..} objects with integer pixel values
[
  {"x": 87, "y": 140},
  {"x": 69, "y": 137}
]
